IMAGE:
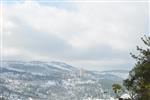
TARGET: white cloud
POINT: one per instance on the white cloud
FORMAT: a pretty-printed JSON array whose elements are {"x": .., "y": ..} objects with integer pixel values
[
  {"x": 21, "y": 54},
  {"x": 50, "y": 32}
]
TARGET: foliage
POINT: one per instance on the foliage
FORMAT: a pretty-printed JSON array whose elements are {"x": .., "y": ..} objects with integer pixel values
[
  {"x": 2, "y": 98},
  {"x": 138, "y": 82},
  {"x": 117, "y": 89}
]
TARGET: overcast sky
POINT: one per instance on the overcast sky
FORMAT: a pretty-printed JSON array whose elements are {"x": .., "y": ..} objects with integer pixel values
[{"x": 89, "y": 35}]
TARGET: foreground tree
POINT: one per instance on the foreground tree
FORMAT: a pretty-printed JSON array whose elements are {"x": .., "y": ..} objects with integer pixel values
[
  {"x": 138, "y": 82},
  {"x": 2, "y": 98},
  {"x": 117, "y": 90}
]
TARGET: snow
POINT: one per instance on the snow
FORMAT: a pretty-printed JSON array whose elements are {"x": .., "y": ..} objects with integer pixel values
[
  {"x": 59, "y": 67},
  {"x": 125, "y": 96},
  {"x": 99, "y": 99},
  {"x": 122, "y": 75},
  {"x": 30, "y": 98},
  {"x": 72, "y": 84},
  {"x": 50, "y": 83}
]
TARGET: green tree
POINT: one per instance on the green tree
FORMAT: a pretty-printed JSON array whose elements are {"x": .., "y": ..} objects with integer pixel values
[
  {"x": 2, "y": 98},
  {"x": 131, "y": 87},
  {"x": 138, "y": 82},
  {"x": 117, "y": 90}
]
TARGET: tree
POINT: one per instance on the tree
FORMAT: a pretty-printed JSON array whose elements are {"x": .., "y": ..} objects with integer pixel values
[
  {"x": 2, "y": 98},
  {"x": 138, "y": 82},
  {"x": 117, "y": 89},
  {"x": 130, "y": 86}
]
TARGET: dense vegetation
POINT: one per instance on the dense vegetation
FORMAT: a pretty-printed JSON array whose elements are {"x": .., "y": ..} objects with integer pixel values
[{"x": 138, "y": 82}]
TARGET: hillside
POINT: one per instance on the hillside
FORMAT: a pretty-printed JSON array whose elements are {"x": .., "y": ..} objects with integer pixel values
[{"x": 55, "y": 81}]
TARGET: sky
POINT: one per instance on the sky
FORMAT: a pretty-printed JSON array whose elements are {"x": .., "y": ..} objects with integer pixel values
[{"x": 88, "y": 35}]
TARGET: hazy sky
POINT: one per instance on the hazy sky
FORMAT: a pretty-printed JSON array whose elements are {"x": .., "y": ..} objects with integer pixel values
[{"x": 90, "y": 35}]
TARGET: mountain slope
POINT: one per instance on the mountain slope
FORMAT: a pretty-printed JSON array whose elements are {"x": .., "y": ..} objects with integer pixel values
[{"x": 54, "y": 81}]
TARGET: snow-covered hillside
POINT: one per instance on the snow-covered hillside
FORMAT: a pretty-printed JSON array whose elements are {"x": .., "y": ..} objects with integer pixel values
[{"x": 38, "y": 80}]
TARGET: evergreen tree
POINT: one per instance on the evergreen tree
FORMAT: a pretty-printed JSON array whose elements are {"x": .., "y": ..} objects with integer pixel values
[{"x": 138, "y": 82}]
